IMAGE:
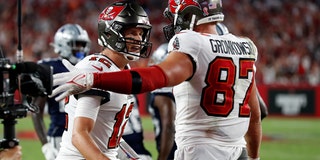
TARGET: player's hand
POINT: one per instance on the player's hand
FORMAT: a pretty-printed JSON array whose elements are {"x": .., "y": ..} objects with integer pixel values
[
  {"x": 11, "y": 153},
  {"x": 73, "y": 82},
  {"x": 50, "y": 153}
]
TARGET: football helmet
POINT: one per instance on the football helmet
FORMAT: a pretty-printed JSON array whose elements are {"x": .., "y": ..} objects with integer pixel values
[
  {"x": 159, "y": 54},
  {"x": 189, "y": 13},
  {"x": 222, "y": 29},
  {"x": 72, "y": 42},
  {"x": 114, "y": 19},
  {"x": 168, "y": 30}
]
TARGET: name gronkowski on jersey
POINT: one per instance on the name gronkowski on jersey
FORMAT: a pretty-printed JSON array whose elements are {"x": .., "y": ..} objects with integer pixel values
[
  {"x": 110, "y": 117},
  {"x": 213, "y": 104}
]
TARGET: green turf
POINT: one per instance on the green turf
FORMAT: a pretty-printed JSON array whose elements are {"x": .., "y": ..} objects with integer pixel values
[
  {"x": 31, "y": 147},
  {"x": 291, "y": 139},
  {"x": 284, "y": 139},
  {"x": 149, "y": 143}
]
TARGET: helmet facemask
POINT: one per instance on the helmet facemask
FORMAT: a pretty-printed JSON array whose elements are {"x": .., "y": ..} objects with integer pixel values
[
  {"x": 79, "y": 48},
  {"x": 189, "y": 13},
  {"x": 168, "y": 30},
  {"x": 144, "y": 48},
  {"x": 186, "y": 18}
]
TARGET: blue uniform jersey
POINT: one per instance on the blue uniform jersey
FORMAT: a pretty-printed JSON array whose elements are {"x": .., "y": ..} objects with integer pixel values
[{"x": 55, "y": 109}]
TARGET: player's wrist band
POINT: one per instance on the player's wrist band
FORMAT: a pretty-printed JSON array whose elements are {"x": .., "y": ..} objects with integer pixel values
[{"x": 254, "y": 158}]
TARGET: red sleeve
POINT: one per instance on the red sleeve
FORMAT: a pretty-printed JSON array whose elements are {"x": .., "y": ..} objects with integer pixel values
[{"x": 133, "y": 81}]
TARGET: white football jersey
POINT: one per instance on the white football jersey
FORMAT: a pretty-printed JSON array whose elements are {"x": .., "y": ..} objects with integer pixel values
[
  {"x": 212, "y": 105},
  {"x": 110, "y": 117}
]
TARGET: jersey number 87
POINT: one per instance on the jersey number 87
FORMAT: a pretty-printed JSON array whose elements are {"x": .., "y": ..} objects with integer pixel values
[{"x": 218, "y": 96}]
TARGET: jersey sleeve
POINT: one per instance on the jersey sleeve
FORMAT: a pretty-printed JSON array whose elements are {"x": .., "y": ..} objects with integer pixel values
[
  {"x": 255, "y": 52},
  {"x": 253, "y": 46},
  {"x": 96, "y": 63},
  {"x": 93, "y": 63},
  {"x": 187, "y": 42},
  {"x": 88, "y": 106}
]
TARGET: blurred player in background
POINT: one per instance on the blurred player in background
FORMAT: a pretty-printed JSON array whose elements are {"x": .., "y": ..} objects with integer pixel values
[
  {"x": 162, "y": 110},
  {"x": 214, "y": 85},
  {"x": 71, "y": 42},
  {"x": 97, "y": 118},
  {"x": 133, "y": 133}
]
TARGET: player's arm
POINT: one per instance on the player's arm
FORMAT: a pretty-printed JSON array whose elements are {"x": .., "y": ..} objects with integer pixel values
[
  {"x": 177, "y": 67},
  {"x": 166, "y": 108},
  {"x": 85, "y": 116},
  {"x": 172, "y": 71},
  {"x": 37, "y": 119},
  {"x": 263, "y": 106},
  {"x": 47, "y": 149},
  {"x": 254, "y": 134}
]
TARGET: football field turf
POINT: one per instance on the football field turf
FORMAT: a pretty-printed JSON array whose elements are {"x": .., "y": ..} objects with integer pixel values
[{"x": 283, "y": 138}]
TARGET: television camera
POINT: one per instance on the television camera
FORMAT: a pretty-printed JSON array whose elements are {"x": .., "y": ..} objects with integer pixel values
[{"x": 24, "y": 78}]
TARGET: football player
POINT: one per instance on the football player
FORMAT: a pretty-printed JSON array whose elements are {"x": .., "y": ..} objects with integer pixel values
[
  {"x": 96, "y": 119},
  {"x": 70, "y": 42}
]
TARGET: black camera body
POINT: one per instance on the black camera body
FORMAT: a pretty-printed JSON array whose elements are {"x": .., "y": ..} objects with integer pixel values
[{"x": 25, "y": 78}]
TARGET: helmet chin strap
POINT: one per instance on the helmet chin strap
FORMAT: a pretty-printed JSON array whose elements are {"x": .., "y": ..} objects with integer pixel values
[
  {"x": 193, "y": 19},
  {"x": 130, "y": 57}
]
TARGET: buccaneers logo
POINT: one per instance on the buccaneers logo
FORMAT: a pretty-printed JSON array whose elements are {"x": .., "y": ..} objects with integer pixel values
[{"x": 110, "y": 13}]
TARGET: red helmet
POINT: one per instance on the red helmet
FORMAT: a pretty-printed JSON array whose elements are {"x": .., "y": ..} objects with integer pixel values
[
  {"x": 173, "y": 5},
  {"x": 188, "y": 13}
]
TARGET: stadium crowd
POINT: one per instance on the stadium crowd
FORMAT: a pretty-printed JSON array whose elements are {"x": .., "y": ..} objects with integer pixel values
[{"x": 286, "y": 32}]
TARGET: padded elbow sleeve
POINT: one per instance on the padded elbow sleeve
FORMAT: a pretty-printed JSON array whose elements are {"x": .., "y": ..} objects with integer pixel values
[{"x": 151, "y": 79}]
